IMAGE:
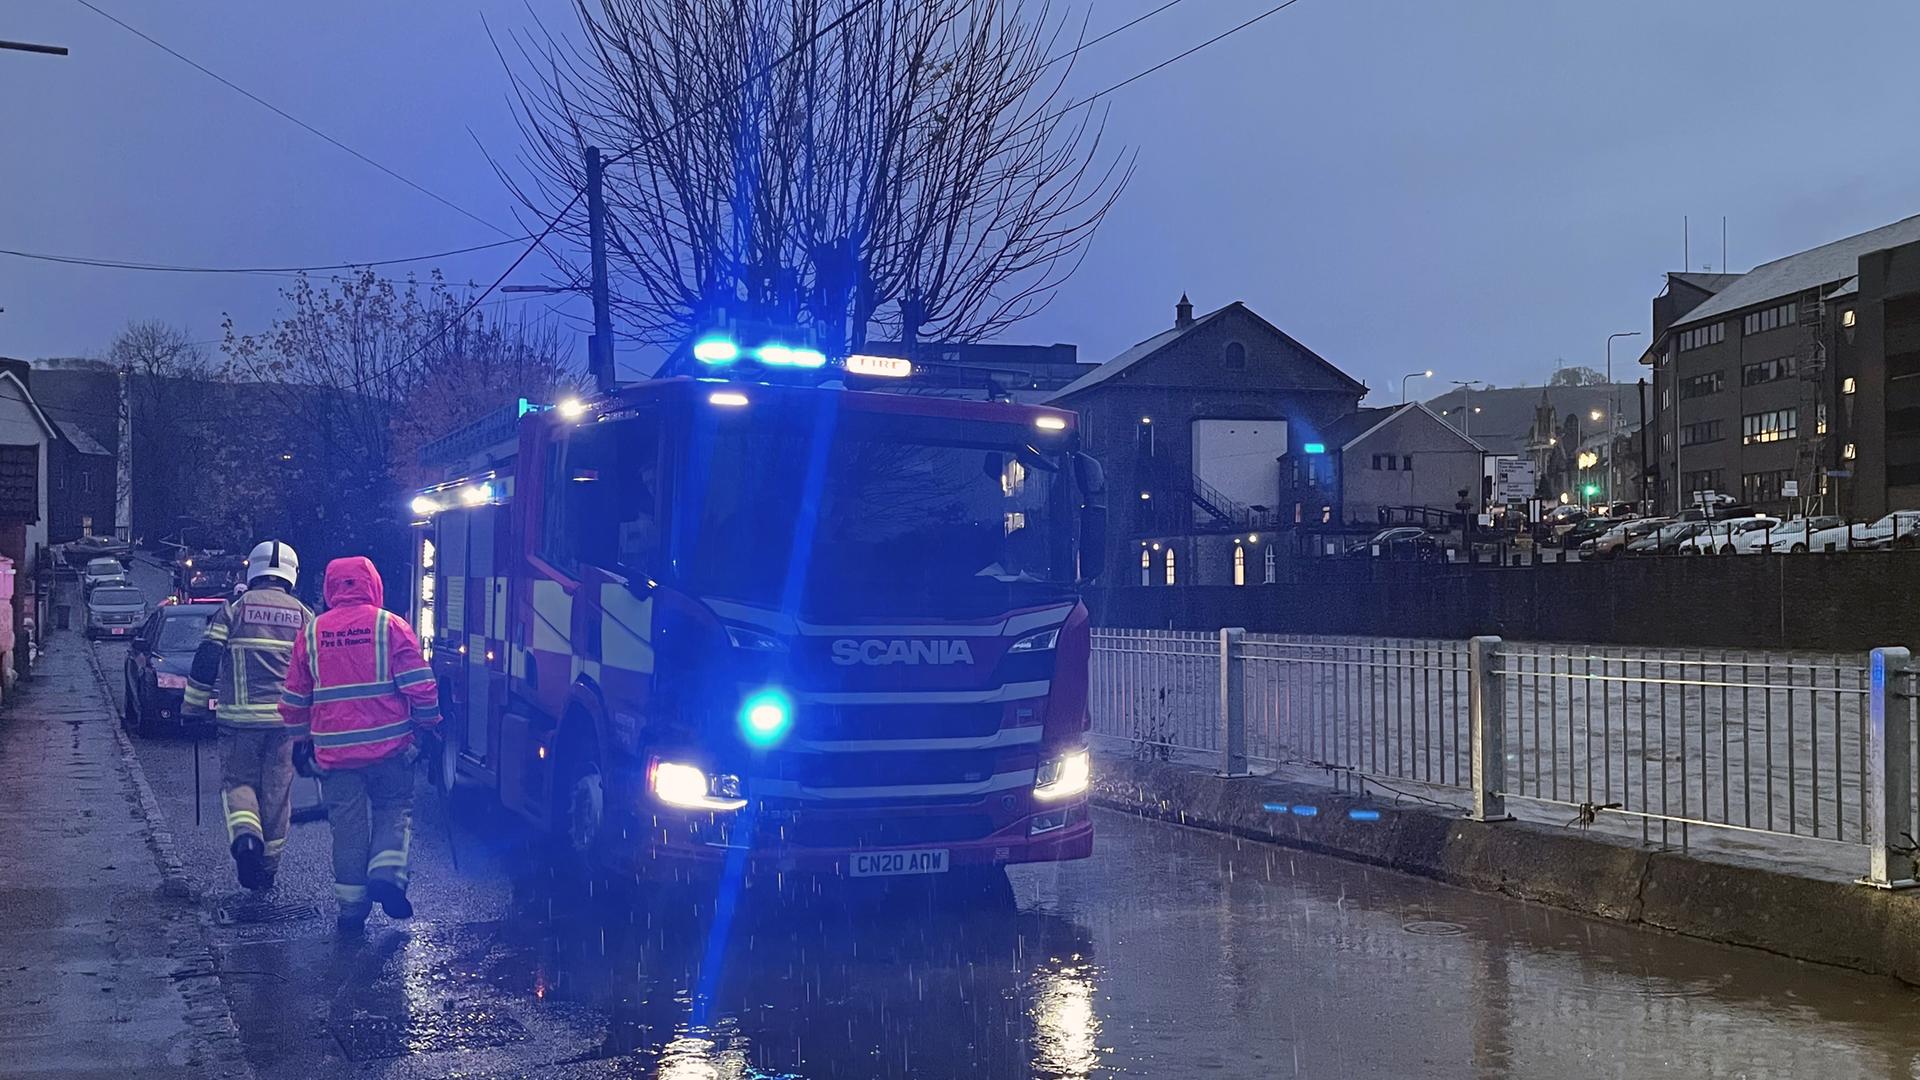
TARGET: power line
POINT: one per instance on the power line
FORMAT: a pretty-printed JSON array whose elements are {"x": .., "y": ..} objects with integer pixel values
[
  {"x": 554, "y": 221},
  {"x": 284, "y": 114},
  {"x": 175, "y": 268}
]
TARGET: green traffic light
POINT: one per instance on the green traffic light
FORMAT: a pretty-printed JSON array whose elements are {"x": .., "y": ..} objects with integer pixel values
[{"x": 1592, "y": 490}]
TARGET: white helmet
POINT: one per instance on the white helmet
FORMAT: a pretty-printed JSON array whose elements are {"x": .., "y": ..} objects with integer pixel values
[{"x": 271, "y": 558}]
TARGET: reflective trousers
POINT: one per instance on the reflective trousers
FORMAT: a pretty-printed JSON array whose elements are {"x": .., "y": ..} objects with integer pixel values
[
  {"x": 371, "y": 812},
  {"x": 256, "y": 785}
]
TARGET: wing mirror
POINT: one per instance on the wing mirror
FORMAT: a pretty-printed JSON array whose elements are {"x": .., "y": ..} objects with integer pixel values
[{"x": 1092, "y": 480}]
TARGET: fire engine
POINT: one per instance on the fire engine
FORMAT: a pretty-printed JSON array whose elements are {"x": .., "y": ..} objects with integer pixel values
[{"x": 766, "y": 611}]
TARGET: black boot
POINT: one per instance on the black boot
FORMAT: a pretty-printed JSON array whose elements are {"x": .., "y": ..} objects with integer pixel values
[
  {"x": 351, "y": 922},
  {"x": 391, "y": 898},
  {"x": 248, "y": 855}
]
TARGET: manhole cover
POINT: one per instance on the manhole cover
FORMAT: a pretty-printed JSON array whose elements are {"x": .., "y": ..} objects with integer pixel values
[
  {"x": 257, "y": 913},
  {"x": 370, "y": 1037},
  {"x": 1435, "y": 928}
]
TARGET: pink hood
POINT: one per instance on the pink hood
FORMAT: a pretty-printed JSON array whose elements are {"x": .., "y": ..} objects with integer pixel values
[{"x": 353, "y": 580}]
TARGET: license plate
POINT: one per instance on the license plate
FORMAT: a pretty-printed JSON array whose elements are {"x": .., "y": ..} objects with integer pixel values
[
  {"x": 898, "y": 863},
  {"x": 119, "y": 629}
]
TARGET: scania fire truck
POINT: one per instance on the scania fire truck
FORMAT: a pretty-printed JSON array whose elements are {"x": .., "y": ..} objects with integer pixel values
[{"x": 768, "y": 613}]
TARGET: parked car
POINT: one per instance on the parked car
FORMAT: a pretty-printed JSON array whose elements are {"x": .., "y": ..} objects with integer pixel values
[
  {"x": 1717, "y": 537},
  {"x": 1590, "y": 528},
  {"x": 99, "y": 570},
  {"x": 1612, "y": 543},
  {"x": 1788, "y": 536},
  {"x": 1667, "y": 538},
  {"x": 114, "y": 610},
  {"x": 1898, "y": 529},
  {"x": 158, "y": 660},
  {"x": 1399, "y": 542},
  {"x": 78, "y": 553}
]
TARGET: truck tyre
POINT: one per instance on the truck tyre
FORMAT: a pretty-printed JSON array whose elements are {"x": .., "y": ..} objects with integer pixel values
[{"x": 579, "y": 818}]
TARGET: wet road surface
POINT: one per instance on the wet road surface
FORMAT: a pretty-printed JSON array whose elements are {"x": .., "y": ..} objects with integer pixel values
[{"x": 1170, "y": 953}]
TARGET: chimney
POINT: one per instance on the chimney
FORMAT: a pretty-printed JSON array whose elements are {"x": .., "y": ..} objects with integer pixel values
[{"x": 1183, "y": 313}]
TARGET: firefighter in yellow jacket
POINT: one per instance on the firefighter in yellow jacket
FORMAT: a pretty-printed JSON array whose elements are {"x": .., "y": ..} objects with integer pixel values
[{"x": 242, "y": 663}]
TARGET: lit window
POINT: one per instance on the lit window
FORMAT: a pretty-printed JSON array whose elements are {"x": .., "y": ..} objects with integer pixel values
[
  {"x": 1169, "y": 566},
  {"x": 1847, "y": 318},
  {"x": 1268, "y": 559},
  {"x": 1850, "y": 452},
  {"x": 1239, "y": 565},
  {"x": 1013, "y": 479},
  {"x": 1847, "y": 385},
  {"x": 1146, "y": 567},
  {"x": 1015, "y": 520}
]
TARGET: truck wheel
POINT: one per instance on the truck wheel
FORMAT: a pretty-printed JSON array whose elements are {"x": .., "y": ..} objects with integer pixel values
[{"x": 579, "y": 821}]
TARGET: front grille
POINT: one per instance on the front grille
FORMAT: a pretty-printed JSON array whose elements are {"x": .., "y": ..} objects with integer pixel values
[
  {"x": 887, "y": 832},
  {"x": 842, "y": 722},
  {"x": 883, "y": 768}
]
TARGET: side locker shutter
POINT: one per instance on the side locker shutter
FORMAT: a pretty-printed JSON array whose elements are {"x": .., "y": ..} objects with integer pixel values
[{"x": 486, "y": 611}]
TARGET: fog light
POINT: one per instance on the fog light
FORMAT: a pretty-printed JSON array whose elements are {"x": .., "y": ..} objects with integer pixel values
[
  {"x": 1063, "y": 777},
  {"x": 1046, "y": 823},
  {"x": 690, "y": 788}
]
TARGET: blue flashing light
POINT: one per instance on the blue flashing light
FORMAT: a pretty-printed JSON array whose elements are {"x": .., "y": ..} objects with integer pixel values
[
  {"x": 766, "y": 717},
  {"x": 1274, "y": 807},
  {"x": 1305, "y": 811},
  {"x": 715, "y": 350},
  {"x": 1363, "y": 815},
  {"x": 774, "y": 355},
  {"x": 1314, "y": 448}
]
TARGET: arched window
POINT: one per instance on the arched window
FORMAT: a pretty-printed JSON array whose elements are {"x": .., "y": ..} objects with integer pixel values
[
  {"x": 1268, "y": 559},
  {"x": 1239, "y": 565},
  {"x": 1236, "y": 356},
  {"x": 1146, "y": 566},
  {"x": 1169, "y": 564}
]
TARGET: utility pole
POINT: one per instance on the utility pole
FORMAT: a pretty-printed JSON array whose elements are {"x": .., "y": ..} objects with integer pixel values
[
  {"x": 600, "y": 345},
  {"x": 123, "y": 464}
]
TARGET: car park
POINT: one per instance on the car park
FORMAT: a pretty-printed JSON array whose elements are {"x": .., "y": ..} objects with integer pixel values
[
  {"x": 114, "y": 610},
  {"x": 1612, "y": 543},
  {"x": 1899, "y": 529},
  {"x": 1590, "y": 528},
  {"x": 1717, "y": 537},
  {"x": 1787, "y": 537},
  {"x": 1666, "y": 539},
  {"x": 158, "y": 660}
]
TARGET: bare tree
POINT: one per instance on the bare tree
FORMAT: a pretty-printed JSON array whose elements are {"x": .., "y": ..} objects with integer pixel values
[
  {"x": 911, "y": 172},
  {"x": 361, "y": 371},
  {"x": 169, "y": 419}
]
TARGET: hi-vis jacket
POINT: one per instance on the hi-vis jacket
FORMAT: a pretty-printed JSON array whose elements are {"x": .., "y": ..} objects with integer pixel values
[
  {"x": 357, "y": 680},
  {"x": 244, "y": 658}
]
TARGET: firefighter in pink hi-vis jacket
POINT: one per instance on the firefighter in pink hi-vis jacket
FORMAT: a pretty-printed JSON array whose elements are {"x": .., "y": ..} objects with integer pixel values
[{"x": 358, "y": 686}]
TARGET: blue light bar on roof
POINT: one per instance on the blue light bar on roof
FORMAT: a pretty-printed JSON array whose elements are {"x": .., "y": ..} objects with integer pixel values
[
  {"x": 1314, "y": 448},
  {"x": 715, "y": 350},
  {"x": 775, "y": 355}
]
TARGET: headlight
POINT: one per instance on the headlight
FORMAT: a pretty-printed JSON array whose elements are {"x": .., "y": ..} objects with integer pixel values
[
  {"x": 690, "y": 788},
  {"x": 171, "y": 682},
  {"x": 754, "y": 640},
  {"x": 1063, "y": 777},
  {"x": 1045, "y": 639}
]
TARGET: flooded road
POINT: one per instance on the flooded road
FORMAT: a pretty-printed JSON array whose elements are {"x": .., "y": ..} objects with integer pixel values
[{"x": 1171, "y": 953}]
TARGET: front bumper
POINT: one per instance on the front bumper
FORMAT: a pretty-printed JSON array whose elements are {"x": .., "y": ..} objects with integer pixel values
[{"x": 772, "y": 839}]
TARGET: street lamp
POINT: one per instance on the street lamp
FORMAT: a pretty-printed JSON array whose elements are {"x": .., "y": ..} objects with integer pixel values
[
  {"x": 1466, "y": 411},
  {"x": 1613, "y": 432},
  {"x": 1427, "y": 374}
]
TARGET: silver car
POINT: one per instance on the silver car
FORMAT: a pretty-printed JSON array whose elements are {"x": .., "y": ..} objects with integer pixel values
[{"x": 114, "y": 610}]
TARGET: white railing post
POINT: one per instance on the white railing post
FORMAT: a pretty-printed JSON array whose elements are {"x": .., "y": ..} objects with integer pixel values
[
  {"x": 1487, "y": 719},
  {"x": 1889, "y": 779},
  {"x": 1233, "y": 703}
]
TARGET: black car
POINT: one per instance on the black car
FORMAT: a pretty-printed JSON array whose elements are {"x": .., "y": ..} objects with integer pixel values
[{"x": 158, "y": 660}]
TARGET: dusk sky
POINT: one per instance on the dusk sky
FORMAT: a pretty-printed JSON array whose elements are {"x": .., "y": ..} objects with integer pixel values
[{"x": 1478, "y": 187}]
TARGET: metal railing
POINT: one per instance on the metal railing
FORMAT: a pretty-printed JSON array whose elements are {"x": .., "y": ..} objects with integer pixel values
[{"x": 1814, "y": 747}]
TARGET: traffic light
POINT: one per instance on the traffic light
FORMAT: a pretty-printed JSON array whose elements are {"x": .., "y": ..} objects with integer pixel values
[{"x": 1590, "y": 490}]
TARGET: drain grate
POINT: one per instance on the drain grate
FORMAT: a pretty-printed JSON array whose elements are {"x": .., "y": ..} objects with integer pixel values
[
  {"x": 1435, "y": 928},
  {"x": 368, "y": 1038},
  {"x": 260, "y": 913}
]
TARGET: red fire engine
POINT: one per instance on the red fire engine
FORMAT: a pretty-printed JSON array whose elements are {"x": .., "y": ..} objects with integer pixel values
[{"x": 827, "y": 629}]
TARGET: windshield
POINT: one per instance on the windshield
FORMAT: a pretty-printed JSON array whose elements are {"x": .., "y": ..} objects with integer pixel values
[
  {"x": 877, "y": 510},
  {"x": 181, "y": 632},
  {"x": 118, "y": 598},
  {"x": 99, "y": 567}
]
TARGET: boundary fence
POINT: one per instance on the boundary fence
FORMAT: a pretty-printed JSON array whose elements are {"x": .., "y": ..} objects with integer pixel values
[{"x": 1816, "y": 747}]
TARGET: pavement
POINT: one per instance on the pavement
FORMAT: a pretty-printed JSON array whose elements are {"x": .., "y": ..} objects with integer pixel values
[
  {"x": 1171, "y": 953},
  {"x": 104, "y": 966}
]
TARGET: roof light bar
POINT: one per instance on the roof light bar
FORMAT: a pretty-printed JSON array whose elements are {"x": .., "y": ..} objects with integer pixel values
[{"x": 715, "y": 350}]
